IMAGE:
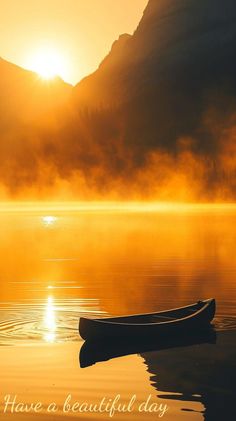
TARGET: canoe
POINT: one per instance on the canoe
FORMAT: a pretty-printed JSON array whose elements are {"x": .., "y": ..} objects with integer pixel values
[{"x": 174, "y": 321}]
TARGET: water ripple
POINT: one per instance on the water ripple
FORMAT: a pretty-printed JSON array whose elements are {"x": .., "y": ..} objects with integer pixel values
[
  {"x": 51, "y": 321},
  {"x": 57, "y": 321}
]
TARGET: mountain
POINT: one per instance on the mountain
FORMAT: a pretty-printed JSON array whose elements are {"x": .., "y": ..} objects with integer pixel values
[
  {"x": 187, "y": 42},
  {"x": 30, "y": 111},
  {"x": 157, "y": 119},
  {"x": 179, "y": 61},
  {"x": 26, "y": 98}
]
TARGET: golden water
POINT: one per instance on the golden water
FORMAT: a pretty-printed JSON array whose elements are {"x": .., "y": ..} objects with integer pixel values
[{"x": 59, "y": 264}]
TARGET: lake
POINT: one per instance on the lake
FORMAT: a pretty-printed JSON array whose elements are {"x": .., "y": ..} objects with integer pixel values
[{"x": 61, "y": 262}]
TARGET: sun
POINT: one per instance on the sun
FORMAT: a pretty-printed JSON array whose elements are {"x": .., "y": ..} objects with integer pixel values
[{"x": 48, "y": 63}]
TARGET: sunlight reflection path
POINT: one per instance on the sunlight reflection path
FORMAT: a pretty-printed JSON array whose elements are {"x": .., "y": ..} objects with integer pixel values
[{"x": 50, "y": 321}]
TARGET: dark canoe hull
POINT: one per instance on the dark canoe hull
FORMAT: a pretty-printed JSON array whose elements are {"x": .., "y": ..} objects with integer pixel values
[{"x": 171, "y": 322}]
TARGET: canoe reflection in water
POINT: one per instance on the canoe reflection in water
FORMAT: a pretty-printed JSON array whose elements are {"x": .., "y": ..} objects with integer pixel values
[
  {"x": 188, "y": 369},
  {"x": 93, "y": 352},
  {"x": 204, "y": 373}
]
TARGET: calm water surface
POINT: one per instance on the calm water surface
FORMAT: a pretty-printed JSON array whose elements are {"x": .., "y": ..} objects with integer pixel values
[{"x": 57, "y": 266}]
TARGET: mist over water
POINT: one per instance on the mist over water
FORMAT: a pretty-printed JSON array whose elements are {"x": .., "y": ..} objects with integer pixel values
[{"x": 58, "y": 265}]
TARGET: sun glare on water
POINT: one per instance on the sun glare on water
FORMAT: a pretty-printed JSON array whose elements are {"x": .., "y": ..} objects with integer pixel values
[
  {"x": 48, "y": 220},
  {"x": 48, "y": 63}
]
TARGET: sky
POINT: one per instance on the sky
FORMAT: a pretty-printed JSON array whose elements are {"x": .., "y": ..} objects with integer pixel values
[{"x": 71, "y": 36}]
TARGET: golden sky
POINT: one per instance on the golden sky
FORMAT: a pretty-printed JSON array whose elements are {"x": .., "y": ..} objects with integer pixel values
[{"x": 75, "y": 34}]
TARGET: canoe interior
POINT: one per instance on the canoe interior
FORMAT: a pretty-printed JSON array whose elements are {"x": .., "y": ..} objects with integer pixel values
[{"x": 153, "y": 318}]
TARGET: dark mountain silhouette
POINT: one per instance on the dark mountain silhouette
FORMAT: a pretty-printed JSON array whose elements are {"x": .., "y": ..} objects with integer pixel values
[
  {"x": 156, "y": 120},
  {"x": 181, "y": 44},
  {"x": 179, "y": 60},
  {"x": 25, "y": 97}
]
